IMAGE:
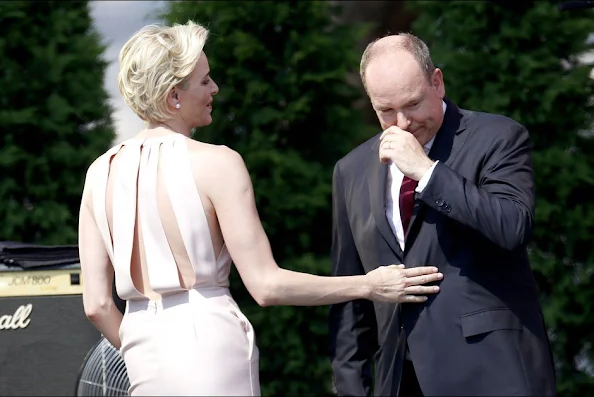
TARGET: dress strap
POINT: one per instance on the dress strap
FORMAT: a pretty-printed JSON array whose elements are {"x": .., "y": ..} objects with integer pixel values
[{"x": 162, "y": 269}]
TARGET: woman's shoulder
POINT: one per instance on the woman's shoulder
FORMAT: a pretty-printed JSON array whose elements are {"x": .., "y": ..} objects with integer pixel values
[
  {"x": 101, "y": 158},
  {"x": 217, "y": 166},
  {"x": 218, "y": 155}
]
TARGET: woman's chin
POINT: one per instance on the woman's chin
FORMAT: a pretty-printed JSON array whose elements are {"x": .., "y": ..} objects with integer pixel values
[{"x": 206, "y": 121}]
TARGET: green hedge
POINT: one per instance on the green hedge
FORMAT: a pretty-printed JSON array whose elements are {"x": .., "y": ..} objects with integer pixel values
[
  {"x": 54, "y": 117},
  {"x": 286, "y": 106}
]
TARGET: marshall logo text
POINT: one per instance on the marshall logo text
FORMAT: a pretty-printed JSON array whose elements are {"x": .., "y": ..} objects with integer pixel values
[{"x": 19, "y": 320}]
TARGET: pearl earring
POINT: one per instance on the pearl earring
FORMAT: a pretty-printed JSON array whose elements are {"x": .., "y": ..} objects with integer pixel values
[{"x": 177, "y": 105}]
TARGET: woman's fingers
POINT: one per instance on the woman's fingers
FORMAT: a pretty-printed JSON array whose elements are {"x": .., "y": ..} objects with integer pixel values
[
  {"x": 421, "y": 290},
  {"x": 424, "y": 279}
]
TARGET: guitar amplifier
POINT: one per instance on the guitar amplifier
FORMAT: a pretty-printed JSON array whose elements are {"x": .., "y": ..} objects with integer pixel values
[{"x": 44, "y": 333}]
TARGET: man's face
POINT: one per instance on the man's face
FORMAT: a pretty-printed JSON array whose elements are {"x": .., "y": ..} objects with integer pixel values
[{"x": 402, "y": 96}]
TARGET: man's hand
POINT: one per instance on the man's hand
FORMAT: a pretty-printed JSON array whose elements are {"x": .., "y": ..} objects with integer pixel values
[{"x": 405, "y": 152}]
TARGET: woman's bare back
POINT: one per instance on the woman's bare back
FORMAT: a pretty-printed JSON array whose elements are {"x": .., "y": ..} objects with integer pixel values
[{"x": 198, "y": 155}]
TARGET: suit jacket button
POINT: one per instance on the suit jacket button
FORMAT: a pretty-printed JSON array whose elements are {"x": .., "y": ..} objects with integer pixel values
[{"x": 439, "y": 202}]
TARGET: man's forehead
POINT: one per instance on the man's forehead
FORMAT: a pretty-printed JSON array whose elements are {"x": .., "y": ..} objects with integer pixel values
[
  {"x": 389, "y": 93},
  {"x": 396, "y": 99},
  {"x": 394, "y": 66},
  {"x": 395, "y": 83}
]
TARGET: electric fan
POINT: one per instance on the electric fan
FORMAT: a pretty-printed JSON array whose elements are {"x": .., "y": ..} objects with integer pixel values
[{"x": 103, "y": 372}]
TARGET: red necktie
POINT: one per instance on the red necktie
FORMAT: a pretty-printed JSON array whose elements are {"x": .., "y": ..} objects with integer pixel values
[{"x": 407, "y": 191}]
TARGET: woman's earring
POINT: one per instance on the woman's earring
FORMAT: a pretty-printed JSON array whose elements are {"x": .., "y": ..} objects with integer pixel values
[{"x": 177, "y": 105}]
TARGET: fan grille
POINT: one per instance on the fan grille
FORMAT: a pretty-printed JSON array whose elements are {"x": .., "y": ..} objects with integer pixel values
[{"x": 103, "y": 372}]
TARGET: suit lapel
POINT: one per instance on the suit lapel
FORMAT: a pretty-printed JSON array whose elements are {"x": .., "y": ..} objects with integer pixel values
[
  {"x": 449, "y": 139},
  {"x": 378, "y": 173},
  {"x": 448, "y": 142}
]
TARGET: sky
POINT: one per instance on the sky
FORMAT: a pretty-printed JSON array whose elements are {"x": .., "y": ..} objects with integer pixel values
[{"x": 116, "y": 22}]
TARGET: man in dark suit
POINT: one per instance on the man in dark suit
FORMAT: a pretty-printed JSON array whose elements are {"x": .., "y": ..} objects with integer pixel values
[{"x": 445, "y": 187}]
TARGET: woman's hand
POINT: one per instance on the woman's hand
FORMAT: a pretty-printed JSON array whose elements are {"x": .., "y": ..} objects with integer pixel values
[{"x": 395, "y": 284}]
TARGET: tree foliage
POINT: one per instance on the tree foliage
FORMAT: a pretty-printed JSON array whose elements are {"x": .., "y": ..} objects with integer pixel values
[
  {"x": 53, "y": 114},
  {"x": 285, "y": 106},
  {"x": 521, "y": 59}
]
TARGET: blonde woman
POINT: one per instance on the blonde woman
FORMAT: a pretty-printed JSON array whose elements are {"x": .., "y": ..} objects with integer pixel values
[{"x": 168, "y": 214}]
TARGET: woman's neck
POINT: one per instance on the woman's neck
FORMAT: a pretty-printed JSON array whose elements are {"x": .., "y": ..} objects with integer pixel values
[{"x": 171, "y": 125}]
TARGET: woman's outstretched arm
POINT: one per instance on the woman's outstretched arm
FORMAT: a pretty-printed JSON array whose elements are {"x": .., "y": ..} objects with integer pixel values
[{"x": 231, "y": 193}]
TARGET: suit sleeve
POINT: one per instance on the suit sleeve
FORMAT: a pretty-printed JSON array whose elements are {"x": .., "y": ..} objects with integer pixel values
[
  {"x": 353, "y": 329},
  {"x": 501, "y": 205}
]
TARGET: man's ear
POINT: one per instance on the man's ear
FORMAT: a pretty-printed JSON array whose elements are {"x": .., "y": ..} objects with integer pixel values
[{"x": 437, "y": 82}]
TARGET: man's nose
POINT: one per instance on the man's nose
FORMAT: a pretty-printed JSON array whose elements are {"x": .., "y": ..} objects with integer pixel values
[{"x": 402, "y": 121}]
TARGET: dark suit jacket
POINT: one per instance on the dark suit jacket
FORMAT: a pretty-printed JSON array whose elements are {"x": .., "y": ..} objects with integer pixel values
[{"x": 483, "y": 333}]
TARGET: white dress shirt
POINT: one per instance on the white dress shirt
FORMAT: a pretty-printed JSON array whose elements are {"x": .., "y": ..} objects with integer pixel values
[{"x": 393, "y": 184}]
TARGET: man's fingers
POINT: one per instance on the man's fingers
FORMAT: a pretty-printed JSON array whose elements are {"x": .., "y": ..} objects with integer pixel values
[
  {"x": 384, "y": 134},
  {"x": 385, "y": 150},
  {"x": 386, "y": 144},
  {"x": 390, "y": 131},
  {"x": 384, "y": 157}
]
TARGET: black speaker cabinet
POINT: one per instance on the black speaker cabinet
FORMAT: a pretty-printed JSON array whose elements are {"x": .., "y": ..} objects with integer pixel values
[{"x": 44, "y": 333}]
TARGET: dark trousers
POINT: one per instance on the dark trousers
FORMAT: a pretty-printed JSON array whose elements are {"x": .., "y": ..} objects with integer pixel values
[{"x": 409, "y": 385}]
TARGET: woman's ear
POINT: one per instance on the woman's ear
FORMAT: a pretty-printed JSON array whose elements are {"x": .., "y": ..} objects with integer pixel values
[{"x": 172, "y": 98}]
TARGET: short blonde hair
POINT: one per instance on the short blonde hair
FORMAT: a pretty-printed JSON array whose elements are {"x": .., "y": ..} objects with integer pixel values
[{"x": 153, "y": 61}]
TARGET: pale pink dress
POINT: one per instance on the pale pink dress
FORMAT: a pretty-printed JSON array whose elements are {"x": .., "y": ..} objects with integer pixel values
[{"x": 193, "y": 341}]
